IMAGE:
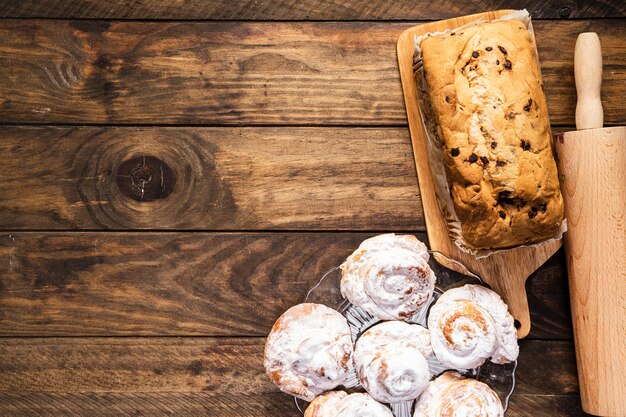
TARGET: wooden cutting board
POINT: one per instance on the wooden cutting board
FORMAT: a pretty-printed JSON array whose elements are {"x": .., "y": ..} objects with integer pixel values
[{"x": 505, "y": 271}]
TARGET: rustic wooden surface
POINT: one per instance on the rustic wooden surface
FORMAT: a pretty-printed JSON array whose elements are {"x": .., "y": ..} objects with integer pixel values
[
  {"x": 192, "y": 374},
  {"x": 302, "y": 9},
  {"x": 257, "y": 178},
  {"x": 168, "y": 188},
  {"x": 308, "y": 73},
  {"x": 180, "y": 284},
  {"x": 213, "y": 178}
]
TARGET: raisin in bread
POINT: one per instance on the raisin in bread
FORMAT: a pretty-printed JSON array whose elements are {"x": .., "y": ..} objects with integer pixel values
[{"x": 485, "y": 89}]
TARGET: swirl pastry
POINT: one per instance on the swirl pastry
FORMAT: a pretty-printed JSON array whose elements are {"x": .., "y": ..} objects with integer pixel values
[
  {"x": 325, "y": 404},
  {"x": 388, "y": 277},
  {"x": 390, "y": 361},
  {"x": 309, "y": 351},
  {"x": 340, "y": 404},
  {"x": 451, "y": 395},
  {"x": 469, "y": 325}
]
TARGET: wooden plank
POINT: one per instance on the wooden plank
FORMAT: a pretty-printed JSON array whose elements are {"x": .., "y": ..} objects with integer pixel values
[
  {"x": 222, "y": 405},
  {"x": 73, "y": 284},
  {"x": 247, "y": 73},
  {"x": 216, "y": 365},
  {"x": 154, "y": 404},
  {"x": 159, "y": 283},
  {"x": 548, "y": 297},
  {"x": 546, "y": 367},
  {"x": 545, "y": 405},
  {"x": 208, "y": 178},
  {"x": 300, "y": 10},
  {"x": 221, "y": 375}
]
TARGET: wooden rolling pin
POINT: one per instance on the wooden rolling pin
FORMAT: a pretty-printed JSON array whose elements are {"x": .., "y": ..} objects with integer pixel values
[{"x": 592, "y": 166}]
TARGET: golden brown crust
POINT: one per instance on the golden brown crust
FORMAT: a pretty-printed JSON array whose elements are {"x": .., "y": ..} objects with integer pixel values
[{"x": 485, "y": 88}]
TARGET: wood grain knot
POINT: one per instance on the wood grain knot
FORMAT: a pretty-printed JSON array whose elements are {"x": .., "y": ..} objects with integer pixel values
[
  {"x": 145, "y": 178},
  {"x": 149, "y": 178}
]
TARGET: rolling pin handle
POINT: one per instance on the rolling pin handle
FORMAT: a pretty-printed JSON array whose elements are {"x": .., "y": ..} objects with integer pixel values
[{"x": 588, "y": 75}]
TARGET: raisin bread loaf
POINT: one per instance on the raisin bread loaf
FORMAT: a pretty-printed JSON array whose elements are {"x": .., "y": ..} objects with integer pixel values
[{"x": 485, "y": 89}]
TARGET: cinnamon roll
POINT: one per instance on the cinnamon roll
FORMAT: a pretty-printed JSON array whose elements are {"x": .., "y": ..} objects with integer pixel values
[
  {"x": 325, "y": 404},
  {"x": 390, "y": 361},
  {"x": 339, "y": 404},
  {"x": 469, "y": 325},
  {"x": 451, "y": 395},
  {"x": 309, "y": 351},
  {"x": 388, "y": 276}
]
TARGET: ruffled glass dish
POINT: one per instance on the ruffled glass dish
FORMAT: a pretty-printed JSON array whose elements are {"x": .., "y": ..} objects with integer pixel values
[{"x": 501, "y": 378}]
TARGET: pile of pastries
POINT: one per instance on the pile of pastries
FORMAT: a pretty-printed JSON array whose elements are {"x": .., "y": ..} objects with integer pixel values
[{"x": 310, "y": 352}]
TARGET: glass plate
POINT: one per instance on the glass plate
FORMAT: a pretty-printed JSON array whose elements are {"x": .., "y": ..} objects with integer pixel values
[{"x": 501, "y": 378}]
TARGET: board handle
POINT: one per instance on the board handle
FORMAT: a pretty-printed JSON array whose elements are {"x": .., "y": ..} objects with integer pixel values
[
  {"x": 513, "y": 292},
  {"x": 588, "y": 75}
]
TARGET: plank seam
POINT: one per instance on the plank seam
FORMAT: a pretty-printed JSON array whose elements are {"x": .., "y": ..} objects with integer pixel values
[
  {"x": 152, "y": 20},
  {"x": 239, "y": 125},
  {"x": 183, "y": 336},
  {"x": 219, "y": 231}
]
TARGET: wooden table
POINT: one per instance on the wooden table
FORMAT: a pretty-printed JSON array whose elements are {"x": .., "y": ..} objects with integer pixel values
[{"x": 175, "y": 174}]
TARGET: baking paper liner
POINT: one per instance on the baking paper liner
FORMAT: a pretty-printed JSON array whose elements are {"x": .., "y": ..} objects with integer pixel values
[
  {"x": 434, "y": 143},
  {"x": 501, "y": 378}
]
